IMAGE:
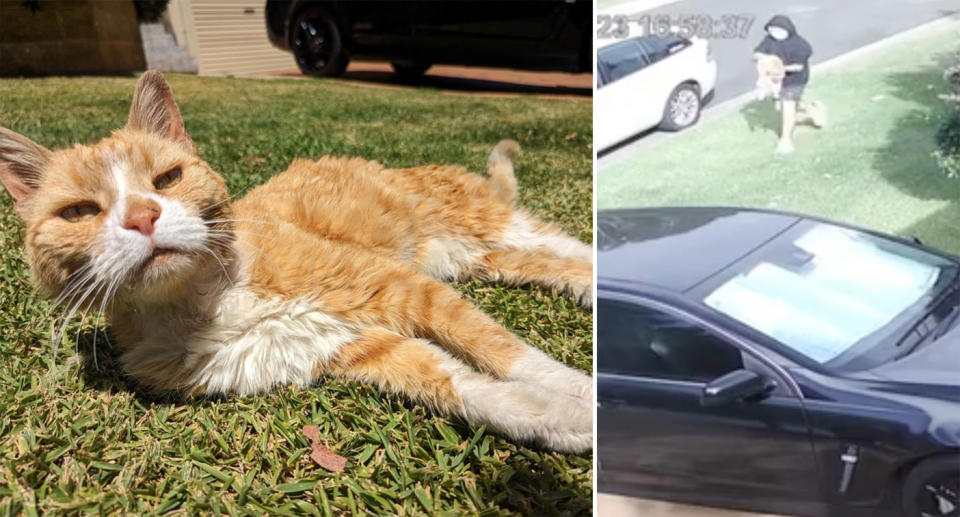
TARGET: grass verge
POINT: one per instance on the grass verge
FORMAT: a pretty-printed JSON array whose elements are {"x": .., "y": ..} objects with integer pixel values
[{"x": 871, "y": 165}]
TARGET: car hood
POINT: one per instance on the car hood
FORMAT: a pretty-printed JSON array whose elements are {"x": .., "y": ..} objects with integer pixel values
[{"x": 935, "y": 364}]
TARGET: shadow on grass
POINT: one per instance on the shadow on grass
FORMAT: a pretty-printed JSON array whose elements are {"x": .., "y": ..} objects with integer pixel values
[
  {"x": 906, "y": 160},
  {"x": 940, "y": 230},
  {"x": 101, "y": 370},
  {"x": 762, "y": 116},
  {"x": 465, "y": 84},
  {"x": 536, "y": 486}
]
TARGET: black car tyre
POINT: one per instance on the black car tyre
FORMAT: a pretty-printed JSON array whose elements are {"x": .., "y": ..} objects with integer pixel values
[
  {"x": 682, "y": 109},
  {"x": 932, "y": 488},
  {"x": 409, "y": 71},
  {"x": 317, "y": 43}
]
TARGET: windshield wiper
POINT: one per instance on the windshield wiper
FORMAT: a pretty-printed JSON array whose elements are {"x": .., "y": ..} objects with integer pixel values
[
  {"x": 946, "y": 323},
  {"x": 946, "y": 294}
]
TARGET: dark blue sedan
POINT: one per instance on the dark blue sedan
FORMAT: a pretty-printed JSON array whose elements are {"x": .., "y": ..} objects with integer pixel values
[{"x": 775, "y": 362}]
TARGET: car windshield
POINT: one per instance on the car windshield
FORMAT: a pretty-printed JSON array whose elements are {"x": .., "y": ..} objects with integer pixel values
[{"x": 823, "y": 290}]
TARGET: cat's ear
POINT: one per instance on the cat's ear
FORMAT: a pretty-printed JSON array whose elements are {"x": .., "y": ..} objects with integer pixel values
[
  {"x": 21, "y": 164},
  {"x": 154, "y": 111}
]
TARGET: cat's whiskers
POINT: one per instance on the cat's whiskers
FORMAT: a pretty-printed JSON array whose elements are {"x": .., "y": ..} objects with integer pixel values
[
  {"x": 79, "y": 291},
  {"x": 108, "y": 297},
  {"x": 74, "y": 281},
  {"x": 232, "y": 235},
  {"x": 251, "y": 247},
  {"x": 217, "y": 204},
  {"x": 58, "y": 337},
  {"x": 68, "y": 296},
  {"x": 96, "y": 329},
  {"x": 215, "y": 256},
  {"x": 209, "y": 222}
]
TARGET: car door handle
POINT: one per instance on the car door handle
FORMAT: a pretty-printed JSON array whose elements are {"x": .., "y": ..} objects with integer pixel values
[{"x": 608, "y": 403}]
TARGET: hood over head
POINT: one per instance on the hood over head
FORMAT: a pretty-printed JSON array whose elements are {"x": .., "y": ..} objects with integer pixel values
[{"x": 783, "y": 22}]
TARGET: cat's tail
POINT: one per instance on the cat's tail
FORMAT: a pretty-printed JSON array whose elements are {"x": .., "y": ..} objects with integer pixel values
[{"x": 500, "y": 169}]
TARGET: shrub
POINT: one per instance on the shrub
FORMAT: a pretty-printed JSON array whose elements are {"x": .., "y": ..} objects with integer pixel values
[{"x": 948, "y": 136}]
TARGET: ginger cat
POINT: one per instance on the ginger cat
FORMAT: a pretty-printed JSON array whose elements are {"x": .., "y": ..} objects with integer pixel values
[{"x": 333, "y": 267}]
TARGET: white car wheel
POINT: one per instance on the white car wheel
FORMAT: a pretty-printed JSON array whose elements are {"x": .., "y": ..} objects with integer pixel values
[{"x": 682, "y": 109}]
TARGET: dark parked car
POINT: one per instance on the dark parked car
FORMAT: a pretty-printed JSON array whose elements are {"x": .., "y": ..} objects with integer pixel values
[
  {"x": 526, "y": 34},
  {"x": 776, "y": 362}
]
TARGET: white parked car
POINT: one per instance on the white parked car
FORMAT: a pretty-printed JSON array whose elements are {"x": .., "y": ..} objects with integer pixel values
[{"x": 648, "y": 82}]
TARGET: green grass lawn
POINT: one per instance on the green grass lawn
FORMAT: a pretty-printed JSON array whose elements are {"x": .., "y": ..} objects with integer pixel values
[
  {"x": 79, "y": 438},
  {"x": 871, "y": 166}
]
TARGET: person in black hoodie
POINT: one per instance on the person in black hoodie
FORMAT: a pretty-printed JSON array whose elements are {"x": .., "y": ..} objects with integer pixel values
[{"x": 783, "y": 41}]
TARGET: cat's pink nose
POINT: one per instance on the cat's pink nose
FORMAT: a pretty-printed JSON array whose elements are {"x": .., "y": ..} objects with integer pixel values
[{"x": 141, "y": 214}]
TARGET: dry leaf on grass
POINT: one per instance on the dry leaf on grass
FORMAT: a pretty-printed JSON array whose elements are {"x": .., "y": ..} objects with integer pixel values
[{"x": 321, "y": 454}]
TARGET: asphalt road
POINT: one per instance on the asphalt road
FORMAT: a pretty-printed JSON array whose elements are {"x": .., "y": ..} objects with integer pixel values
[{"x": 832, "y": 27}]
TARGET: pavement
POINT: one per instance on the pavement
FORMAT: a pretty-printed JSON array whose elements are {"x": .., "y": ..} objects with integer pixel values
[
  {"x": 833, "y": 29},
  {"x": 609, "y": 505},
  {"x": 465, "y": 80}
]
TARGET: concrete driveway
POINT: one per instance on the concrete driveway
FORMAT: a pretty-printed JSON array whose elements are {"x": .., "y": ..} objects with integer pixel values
[
  {"x": 609, "y": 505},
  {"x": 466, "y": 80}
]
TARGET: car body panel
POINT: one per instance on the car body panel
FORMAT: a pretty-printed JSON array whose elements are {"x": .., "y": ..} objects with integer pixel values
[
  {"x": 888, "y": 418},
  {"x": 679, "y": 251},
  {"x": 635, "y": 103},
  {"x": 525, "y": 34},
  {"x": 890, "y": 430},
  {"x": 761, "y": 453},
  {"x": 936, "y": 363}
]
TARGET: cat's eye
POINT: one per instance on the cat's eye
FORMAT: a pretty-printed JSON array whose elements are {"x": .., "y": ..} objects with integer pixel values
[
  {"x": 168, "y": 179},
  {"x": 80, "y": 212}
]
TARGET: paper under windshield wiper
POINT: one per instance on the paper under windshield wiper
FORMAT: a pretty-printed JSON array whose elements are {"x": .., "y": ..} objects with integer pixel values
[
  {"x": 946, "y": 323},
  {"x": 935, "y": 303}
]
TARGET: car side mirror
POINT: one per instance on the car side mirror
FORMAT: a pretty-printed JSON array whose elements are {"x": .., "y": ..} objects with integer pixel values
[{"x": 736, "y": 386}]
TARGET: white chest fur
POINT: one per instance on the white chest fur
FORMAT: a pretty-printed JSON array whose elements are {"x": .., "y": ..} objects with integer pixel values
[{"x": 244, "y": 344}]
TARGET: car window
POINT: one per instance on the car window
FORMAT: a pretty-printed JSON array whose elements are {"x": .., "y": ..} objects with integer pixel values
[
  {"x": 658, "y": 48},
  {"x": 640, "y": 341},
  {"x": 622, "y": 59}
]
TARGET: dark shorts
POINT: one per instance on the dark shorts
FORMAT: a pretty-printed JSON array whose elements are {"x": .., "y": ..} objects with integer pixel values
[{"x": 791, "y": 92}]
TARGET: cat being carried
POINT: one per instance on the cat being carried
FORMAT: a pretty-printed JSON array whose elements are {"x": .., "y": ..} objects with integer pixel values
[{"x": 335, "y": 267}]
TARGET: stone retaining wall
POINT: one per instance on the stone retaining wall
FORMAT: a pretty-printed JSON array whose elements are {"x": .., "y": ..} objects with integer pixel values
[{"x": 68, "y": 37}]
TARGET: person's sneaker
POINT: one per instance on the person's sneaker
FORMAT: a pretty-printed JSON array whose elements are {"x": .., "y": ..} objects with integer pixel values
[{"x": 785, "y": 147}]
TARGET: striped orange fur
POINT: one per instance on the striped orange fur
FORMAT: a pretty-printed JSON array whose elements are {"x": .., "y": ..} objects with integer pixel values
[{"x": 336, "y": 267}]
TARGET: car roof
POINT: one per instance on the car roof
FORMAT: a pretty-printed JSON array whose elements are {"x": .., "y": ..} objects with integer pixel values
[
  {"x": 608, "y": 44},
  {"x": 675, "y": 248}
]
